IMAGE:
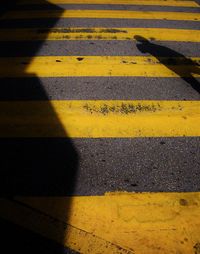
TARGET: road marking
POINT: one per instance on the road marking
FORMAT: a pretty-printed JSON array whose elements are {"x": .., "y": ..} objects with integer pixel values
[
  {"x": 67, "y": 66},
  {"x": 123, "y": 2},
  {"x": 57, "y": 229},
  {"x": 99, "y": 119},
  {"x": 77, "y": 33},
  {"x": 114, "y": 223},
  {"x": 116, "y": 14}
]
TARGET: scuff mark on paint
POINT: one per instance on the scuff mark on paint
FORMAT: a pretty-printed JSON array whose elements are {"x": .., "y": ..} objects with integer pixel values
[
  {"x": 122, "y": 109},
  {"x": 197, "y": 248}
]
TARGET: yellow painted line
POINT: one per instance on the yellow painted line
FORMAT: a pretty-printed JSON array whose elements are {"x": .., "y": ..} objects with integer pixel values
[
  {"x": 57, "y": 230},
  {"x": 115, "y": 223},
  {"x": 123, "y": 2},
  {"x": 116, "y": 14},
  {"x": 65, "y": 66},
  {"x": 95, "y": 119},
  {"x": 77, "y": 33}
]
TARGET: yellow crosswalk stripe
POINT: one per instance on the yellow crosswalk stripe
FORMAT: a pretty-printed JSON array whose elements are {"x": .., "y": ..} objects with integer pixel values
[
  {"x": 99, "y": 33},
  {"x": 77, "y": 66},
  {"x": 114, "y": 223},
  {"x": 116, "y": 14},
  {"x": 179, "y": 3},
  {"x": 94, "y": 119}
]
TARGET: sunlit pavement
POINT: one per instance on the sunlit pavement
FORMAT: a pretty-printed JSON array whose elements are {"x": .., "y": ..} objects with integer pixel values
[{"x": 99, "y": 126}]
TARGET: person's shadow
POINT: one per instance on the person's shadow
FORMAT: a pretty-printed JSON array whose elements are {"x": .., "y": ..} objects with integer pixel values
[
  {"x": 176, "y": 62},
  {"x": 39, "y": 166}
]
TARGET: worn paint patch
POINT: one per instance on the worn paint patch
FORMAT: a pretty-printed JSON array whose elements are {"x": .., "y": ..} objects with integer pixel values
[
  {"x": 112, "y": 30},
  {"x": 124, "y": 108},
  {"x": 94, "y": 119},
  {"x": 125, "y": 66},
  {"x": 81, "y": 30},
  {"x": 152, "y": 34},
  {"x": 197, "y": 248}
]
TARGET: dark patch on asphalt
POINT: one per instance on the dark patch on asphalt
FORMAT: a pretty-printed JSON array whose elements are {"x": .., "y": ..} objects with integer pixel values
[
  {"x": 122, "y": 109},
  {"x": 134, "y": 184},
  {"x": 162, "y": 142}
]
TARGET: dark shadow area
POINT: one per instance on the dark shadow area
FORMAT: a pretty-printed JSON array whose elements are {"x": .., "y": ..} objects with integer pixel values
[
  {"x": 15, "y": 238},
  {"x": 6, "y": 5},
  {"x": 32, "y": 166},
  {"x": 176, "y": 62}
]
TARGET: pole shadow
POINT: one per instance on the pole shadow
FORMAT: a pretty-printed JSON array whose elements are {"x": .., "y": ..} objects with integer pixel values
[
  {"x": 33, "y": 166},
  {"x": 182, "y": 66}
]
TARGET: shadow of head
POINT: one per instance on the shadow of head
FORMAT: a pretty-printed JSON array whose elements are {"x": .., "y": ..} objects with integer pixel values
[
  {"x": 176, "y": 62},
  {"x": 141, "y": 39},
  {"x": 142, "y": 43}
]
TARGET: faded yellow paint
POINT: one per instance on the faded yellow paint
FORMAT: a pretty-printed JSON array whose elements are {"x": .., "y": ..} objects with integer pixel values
[
  {"x": 94, "y": 119},
  {"x": 123, "y": 2},
  {"x": 154, "y": 223},
  {"x": 116, "y": 14},
  {"x": 66, "y": 66},
  {"x": 77, "y": 33}
]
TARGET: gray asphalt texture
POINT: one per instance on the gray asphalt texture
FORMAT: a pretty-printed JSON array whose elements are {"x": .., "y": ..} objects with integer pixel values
[{"x": 59, "y": 167}]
